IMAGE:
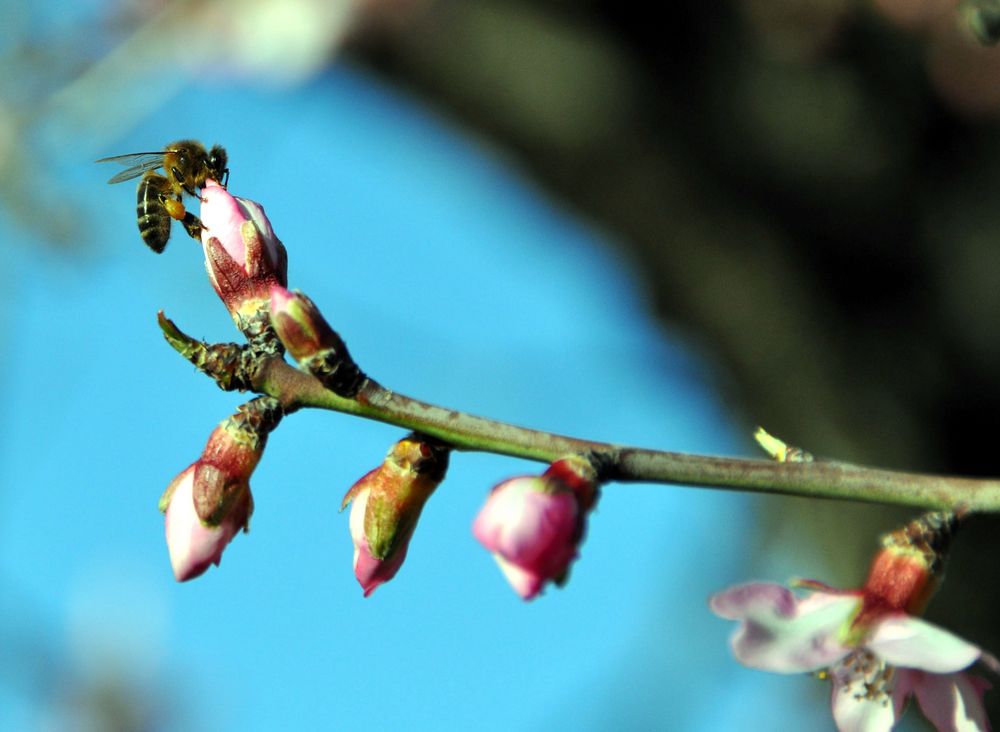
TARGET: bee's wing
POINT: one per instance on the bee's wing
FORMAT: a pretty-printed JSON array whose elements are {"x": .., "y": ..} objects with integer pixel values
[{"x": 138, "y": 163}]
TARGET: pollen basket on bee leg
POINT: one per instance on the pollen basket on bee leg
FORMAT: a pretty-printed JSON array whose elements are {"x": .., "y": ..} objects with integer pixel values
[{"x": 175, "y": 208}]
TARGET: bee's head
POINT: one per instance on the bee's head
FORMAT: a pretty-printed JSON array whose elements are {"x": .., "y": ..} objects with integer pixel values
[{"x": 217, "y": 164}]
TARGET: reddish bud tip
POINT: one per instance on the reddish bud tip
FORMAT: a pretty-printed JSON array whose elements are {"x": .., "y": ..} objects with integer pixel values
[
  {"x": 300, "y": 325},
  {"x": 313, "y": 343}
]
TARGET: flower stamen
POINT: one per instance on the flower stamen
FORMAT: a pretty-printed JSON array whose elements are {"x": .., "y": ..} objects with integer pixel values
[{"x": 867, "y": 678}]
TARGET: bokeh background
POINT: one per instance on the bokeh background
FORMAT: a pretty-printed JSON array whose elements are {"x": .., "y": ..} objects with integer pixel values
[{"x": 573, "y": 216}]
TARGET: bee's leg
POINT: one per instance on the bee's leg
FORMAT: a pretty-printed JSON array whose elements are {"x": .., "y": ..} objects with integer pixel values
[
  {"x": 183, "y": 184},
  {"x": 174, "y": 207},
  {"x": 192, "y": 224}
]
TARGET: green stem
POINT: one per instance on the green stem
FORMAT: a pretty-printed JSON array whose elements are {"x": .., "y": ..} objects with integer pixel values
[{"x": 820, "y": 479}]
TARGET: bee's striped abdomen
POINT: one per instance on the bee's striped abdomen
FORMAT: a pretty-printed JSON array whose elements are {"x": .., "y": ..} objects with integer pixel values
[{"x": 152, "y": 217}]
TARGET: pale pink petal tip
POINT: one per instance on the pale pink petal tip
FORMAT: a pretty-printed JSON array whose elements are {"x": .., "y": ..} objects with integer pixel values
[
  {"x": 910, "y": 642},
  {"x": 782, "y": 633},
  {"x": 193, "y": 547},
  {"x": 752, "y": 598},
  {"x": 280, "y": 297},
  {"x": 853, "y": 711}
]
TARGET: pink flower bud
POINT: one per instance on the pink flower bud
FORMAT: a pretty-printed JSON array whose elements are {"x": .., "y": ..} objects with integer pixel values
[
  {"x": 534, "y": 524},
  {"x": 369, "y": 570},
  {"x": 311, "y": 341},
  {"x": 194, "y": 544},
  {"x": 209, "y": 502},
  {"x": 300, "y": 325},
  {"x": 243, "y": 256},
  {"x": 386, "y": 505}
]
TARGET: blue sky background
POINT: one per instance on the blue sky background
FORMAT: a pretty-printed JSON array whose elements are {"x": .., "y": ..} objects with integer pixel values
[{"x": 453, "y": 279}]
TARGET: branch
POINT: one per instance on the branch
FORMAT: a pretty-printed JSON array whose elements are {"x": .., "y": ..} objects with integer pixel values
[
  {"x": 273, "y": 319},
  {"x": 817, "y": 479}
]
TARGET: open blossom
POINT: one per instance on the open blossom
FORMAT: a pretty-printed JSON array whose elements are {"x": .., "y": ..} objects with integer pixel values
[
  {"x": 243, "y": 256},
  {"x": 386, "y": 504},
  {"x": 533, "y": 524},
  {"x": 867, "y": 641}
]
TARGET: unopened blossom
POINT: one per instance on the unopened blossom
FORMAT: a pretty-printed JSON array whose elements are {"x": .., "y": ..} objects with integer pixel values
[
  {"x": 243, "y": 256},
  {"x": 209, "y": 502},
  {"x": 533, "y": 524},
  {"x": 311, "y": 341},
  {"x": 867, "y": 642},
  {"x": 386, "y": 504},
  {"x": 369, "y": 570},
  {"x": 194, "y": 544}
]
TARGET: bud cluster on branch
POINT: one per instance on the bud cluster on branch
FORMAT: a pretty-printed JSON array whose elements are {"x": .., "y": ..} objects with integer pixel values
[
  {"x": 533, "y": 525},
  {"x": 869, "y": 642}
]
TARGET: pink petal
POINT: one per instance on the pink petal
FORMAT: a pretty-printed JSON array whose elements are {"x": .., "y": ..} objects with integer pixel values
[
  {"x": 780, "y": 632},
  {"x": 192, "y": 545},
  {"x": 914, "y": 643},
  {"x": 498, "y": 524},
  {"x": 527, "y": 525},
  {"x": 855, "y": 712},
  {"x": 280, "y": 298},
  {"x": 369, "y": 571},
  {"x": 952, "y": 702},
  {"x": 356, "y": 523},
  {"x": 526, "y": 583},
  {"x": 222, "y": 216},
  {"x": 255, "y": 213},
  {"x": 530, "y": 530},
  {"x": 739, "y": 601}
]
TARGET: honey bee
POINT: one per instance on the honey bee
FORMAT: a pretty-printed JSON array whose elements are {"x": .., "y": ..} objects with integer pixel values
[{"x": 186, "y": 165}]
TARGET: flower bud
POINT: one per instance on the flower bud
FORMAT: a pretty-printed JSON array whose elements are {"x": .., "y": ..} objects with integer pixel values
[
  {"x": 210, "y": 501},
  {"x": 386, "y": 504},
  {"x": 907, "y": 570},
  {"x": 533, "y": 525},
  {"x": 193, "y": 542},
  {"x": 243, "y": 256},
  {"x": 317, "y": 347}
]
